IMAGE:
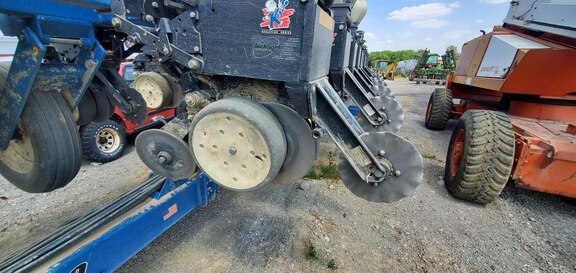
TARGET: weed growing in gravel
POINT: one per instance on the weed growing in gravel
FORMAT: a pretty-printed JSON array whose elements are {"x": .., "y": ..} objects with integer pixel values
[
  {"x": 431, "y": 157},
  {"x": 311, "y": 253},
  {"x": 323, "y": 170},
  {"x": 312, "y": 175},
  {"x": 333, "y": 265}
]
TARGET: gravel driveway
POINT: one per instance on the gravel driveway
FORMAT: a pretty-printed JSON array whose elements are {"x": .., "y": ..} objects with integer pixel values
[{"x": 318, "y": 226}]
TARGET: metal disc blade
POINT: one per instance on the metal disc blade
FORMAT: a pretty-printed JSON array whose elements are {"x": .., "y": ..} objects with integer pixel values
[
  {"x": 404, "y": 158},
  {"x": 301, "y": 150},
  {"x": 392, "y": 109},
  {"x": 382, "y": 91},
  {"x": 165, "y": 154}
]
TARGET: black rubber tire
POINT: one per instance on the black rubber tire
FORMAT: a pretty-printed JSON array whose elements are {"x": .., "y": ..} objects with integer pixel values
[
  {"x": 89, "y": 134},
  {"x": 87, "y": 109},
  {"x": 104, "y": 109},
  {"x": 486, "y": 159},
  {"x": 438, "y": 110},
  {"x": 258, "y": 116},
  {"x": 54, "y": 141}
]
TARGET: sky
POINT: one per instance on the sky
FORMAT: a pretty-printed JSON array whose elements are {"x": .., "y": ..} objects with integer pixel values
[{"x": 419, "y": 24}]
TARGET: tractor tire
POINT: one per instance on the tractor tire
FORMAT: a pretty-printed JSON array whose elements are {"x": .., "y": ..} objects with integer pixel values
[
  {"x": 438, "y": 110},
  {"x": 480, "y": 156},
  {"x": 46, "y": 154},
  {"x": 103, "y": 142}
]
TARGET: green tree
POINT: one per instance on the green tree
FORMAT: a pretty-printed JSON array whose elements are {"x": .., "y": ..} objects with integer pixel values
[{"x": 394, "y": 56}]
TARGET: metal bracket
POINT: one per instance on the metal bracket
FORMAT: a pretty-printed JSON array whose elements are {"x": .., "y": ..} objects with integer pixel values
[
  {"x": 360, "y": 97},
  {"x": 330, "y": 112},
  {"x": 148, "y": 38},
  {"x": 25, "y": 66}
]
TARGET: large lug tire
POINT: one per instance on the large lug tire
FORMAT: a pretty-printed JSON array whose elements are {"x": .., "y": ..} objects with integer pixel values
[
  {"x": 480, "y": 156},
  {"x": 438, "y": 110},
  {"x": 103, "y": 142},
  {"x": 238, "y": 143},
  {"x": 46, "y": 154}
]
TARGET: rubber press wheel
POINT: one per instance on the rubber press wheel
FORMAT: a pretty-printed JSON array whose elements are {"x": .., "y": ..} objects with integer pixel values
[
  {"x": 238, "y": 143},
  {"x": 45, "y": 153},
  {"x": 480, "y": 156},
  {"x": 104, "y": 141},
  {"x": 438, "y": 110}
]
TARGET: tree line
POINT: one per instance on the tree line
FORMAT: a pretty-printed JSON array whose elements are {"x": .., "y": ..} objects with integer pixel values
[{"x": 401, "y": 55}]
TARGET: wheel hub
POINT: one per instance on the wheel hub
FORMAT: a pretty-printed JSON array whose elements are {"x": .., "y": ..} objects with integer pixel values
[
  {"x": 108, "y": 140},
  {"x": 231, "y": 150},
  {"x": 457, "y": 152}
]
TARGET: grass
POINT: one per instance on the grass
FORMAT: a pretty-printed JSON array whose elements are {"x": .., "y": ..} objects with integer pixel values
[
  {"x": 311, "y": 253},
  {"x": 333, "y": 265},
  {"x": 431, "y": 157},
  {"x": 322, "y": 170}
]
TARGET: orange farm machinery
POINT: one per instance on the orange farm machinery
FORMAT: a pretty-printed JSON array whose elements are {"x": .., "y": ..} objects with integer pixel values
[{"x": 514, "y": 96}]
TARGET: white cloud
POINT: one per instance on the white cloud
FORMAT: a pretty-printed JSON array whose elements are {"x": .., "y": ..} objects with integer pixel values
[
  {"x": 429, "y": 23},
  {"x": 454, "y": 5},
  {"x": 370, "y": 35},
  {"x": 496, "y": 1},
  {"x": 428, "y": 39},
  {"x": 430, "y": 10},
  {"x": 479, "y": 21},
  {"x": 456, "y": 34}
]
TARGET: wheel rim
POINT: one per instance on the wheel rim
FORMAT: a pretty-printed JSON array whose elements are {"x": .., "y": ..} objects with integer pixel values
[
  {"x": 231, "y": 150},
  {"x": 456, "y": 152},
  {"x": 429, "y": 110},
  {"x": 20, "y": 153},
  {"x": 108, "y": 140}
]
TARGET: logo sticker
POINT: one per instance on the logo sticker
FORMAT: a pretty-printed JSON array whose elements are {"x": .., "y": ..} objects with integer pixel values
[{"x": 276, "y": 18}]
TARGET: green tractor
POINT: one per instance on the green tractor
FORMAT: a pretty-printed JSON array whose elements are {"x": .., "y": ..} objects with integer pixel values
[{"x": 432, "y": 67}]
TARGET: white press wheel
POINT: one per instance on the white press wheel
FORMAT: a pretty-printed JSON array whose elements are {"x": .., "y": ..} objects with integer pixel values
[
  {"x": 238, "y": 143},
  {"x": 155, "y": 89}
]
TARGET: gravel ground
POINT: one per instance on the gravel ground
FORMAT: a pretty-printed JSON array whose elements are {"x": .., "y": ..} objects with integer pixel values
[{"x": 271, "y": 230}]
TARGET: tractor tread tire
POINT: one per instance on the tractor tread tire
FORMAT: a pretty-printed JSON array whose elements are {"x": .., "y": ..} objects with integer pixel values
[
  {"x": 487, "y": 159},
  {"x": 441, "y": 103},
  {"x": 89, "y": 147}
]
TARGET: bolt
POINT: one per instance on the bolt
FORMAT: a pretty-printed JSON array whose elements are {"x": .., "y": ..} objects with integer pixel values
[
  {"x": 192, "y": 14},
  {"x": 383, "y": 108},
  {"x": 304, "y": 1},
  {"x": 378, "y": 174},
  {"x": 381, "y": 153},
  {"x": 127, "y": 11},
  {"x": 155, "y": 4},
  {"x": 341, "y": 27},
  {"x": 116, "y": 22},
  {"x": 196, "y": 49},
  {"x": 149, "y": 18},
  {"x": 232, "y": 151},
  {"x": 397, "y": 173},
  {"x": 166, "y": 51},
  {"x": 164, "y": 157},
  {"x": 389, "y": 121},
  {"x": 192, "y": 64},
  {"x": 380, "y": 119}
]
